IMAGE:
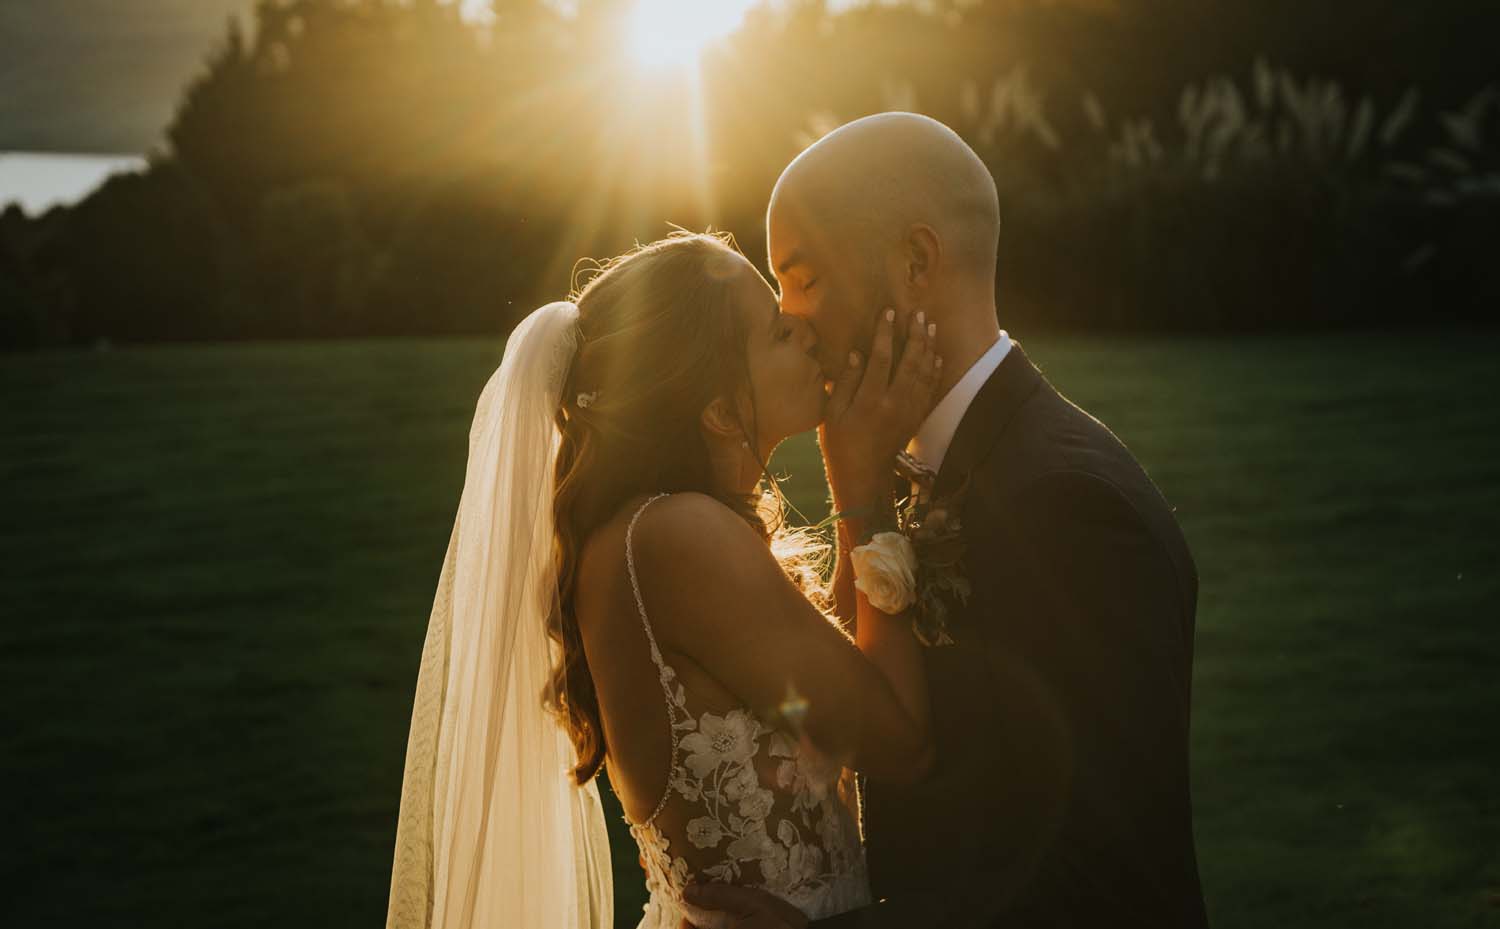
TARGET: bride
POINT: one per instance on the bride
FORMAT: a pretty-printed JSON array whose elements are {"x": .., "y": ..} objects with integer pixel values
[{"x": 619, "y": 592}]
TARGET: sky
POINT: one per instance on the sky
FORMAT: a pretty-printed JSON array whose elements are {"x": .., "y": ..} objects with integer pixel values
[
  {"x": 39, "y": 182},
  {"x": 103, "y": 76},
  {"x": 100, "y": 76}
]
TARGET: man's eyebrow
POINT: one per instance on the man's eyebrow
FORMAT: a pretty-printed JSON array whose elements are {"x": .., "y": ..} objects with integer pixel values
[{"x": 792, "y": 260}]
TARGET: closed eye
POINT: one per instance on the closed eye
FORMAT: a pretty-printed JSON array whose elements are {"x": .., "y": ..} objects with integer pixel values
[{"x": 808, "y": 286}]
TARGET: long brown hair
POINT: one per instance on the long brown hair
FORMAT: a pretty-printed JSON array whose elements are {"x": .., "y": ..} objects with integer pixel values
[{"x": 661, "y": 340}]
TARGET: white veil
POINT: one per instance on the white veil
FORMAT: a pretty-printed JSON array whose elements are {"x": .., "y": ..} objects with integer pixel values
[{"x": 492, "y": 831}]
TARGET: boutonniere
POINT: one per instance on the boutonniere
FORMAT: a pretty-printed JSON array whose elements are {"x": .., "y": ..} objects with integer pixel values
[
  {"x": 917, "y": 564},
  {"x": 934, "y": 527}
]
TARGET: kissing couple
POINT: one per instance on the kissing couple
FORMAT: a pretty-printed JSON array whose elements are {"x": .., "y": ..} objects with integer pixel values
[{"x": 981, "y": 720}]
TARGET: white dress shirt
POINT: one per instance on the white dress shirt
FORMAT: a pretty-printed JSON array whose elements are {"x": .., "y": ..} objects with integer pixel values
[{"x": 931, "y": 443}]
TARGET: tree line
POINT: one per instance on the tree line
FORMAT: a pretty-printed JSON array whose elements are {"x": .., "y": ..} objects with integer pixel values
[{"x": 371, "y": 167}]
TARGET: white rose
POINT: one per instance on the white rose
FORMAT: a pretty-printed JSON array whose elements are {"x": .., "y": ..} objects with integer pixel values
[{"x": 885, "y": 571}]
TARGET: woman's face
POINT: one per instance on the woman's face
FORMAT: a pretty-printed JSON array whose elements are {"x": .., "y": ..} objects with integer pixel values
[{"x": 785, "y": 377}]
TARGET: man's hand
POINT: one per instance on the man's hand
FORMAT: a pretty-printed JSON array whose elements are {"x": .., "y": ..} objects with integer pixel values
[{"x": 725, "y": 906}]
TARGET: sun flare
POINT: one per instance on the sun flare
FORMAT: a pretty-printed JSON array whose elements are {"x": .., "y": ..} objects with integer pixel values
[{"x": 673, "y": 33}]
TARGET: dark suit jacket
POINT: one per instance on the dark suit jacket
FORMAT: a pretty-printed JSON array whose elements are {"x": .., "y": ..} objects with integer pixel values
[{"x": 1060, "y": 794}]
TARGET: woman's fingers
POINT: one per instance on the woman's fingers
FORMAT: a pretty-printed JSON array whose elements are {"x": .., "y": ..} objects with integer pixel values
[
  {"x": 917, "y": 379},
  {"x": 878, "y": 371},
  {"x": 844, "y": 388},
  {"x": 916, "y": 354},
  {"x": 931, "y": 364},
  {"x": 878, "y": 403}
]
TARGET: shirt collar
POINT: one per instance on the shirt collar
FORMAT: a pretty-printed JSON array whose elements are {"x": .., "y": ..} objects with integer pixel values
[{"x": 931, "y": 443}]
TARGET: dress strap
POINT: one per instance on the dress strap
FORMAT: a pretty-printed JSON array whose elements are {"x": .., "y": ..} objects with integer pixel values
[{"x": 664, "y": 671}]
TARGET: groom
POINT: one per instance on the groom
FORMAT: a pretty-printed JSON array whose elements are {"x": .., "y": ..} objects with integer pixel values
[{"x": 1060, "y": 791}]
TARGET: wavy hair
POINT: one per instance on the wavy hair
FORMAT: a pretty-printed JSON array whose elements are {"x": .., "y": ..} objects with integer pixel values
[{"x": 661, "y": 340}]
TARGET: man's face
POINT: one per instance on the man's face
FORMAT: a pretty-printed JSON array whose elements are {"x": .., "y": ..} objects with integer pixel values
[{"x": 829, "y": 284}]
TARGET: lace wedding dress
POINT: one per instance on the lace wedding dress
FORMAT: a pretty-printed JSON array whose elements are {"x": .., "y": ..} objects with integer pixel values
[{"x": 747, "y": 804}]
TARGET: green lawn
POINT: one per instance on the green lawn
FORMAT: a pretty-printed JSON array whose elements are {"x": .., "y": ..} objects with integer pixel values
[{"x": 218, "y": 564}]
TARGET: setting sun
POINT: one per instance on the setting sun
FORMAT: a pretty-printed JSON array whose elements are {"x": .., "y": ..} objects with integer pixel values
[{"x": 672, "y": 33}]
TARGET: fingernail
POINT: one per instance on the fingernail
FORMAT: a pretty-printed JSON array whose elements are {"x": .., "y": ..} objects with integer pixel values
[
  {"x": 854, "y": 359},
  {"x": 939, "y": 362},
  {"x": 890, "y": 316},
  {"x": 931, "y": 329},
  {"x": 921, "y": 317}
]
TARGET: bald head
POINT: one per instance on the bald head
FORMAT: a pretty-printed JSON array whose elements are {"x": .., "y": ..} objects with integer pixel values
[
  {"x": 891, "y": 211},
  {"x": 869, "y": 182}
]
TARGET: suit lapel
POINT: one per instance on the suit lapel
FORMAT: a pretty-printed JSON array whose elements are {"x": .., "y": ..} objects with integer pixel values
[{"x": 994, "y": 406}]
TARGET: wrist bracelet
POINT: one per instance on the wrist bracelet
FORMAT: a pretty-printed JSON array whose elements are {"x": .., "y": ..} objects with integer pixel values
[
  {"x": 858, "y": 512},
  {"x": 880, "y": 519}
]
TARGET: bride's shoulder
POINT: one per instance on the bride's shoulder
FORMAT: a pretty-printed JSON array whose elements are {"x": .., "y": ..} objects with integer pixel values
[
  {"x": 693, "y": 556},
  {"x": 673, "y": 529},
  {"x": 692, "y": 541},
  {"x": 688, "y": 549},
  {"x": 690, "y": 524}
]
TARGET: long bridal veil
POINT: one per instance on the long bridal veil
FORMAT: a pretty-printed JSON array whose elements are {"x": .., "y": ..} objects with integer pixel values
[{"x": 492, "y": 831}]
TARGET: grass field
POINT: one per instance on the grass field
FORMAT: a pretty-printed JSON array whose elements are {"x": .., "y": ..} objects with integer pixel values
[{"x": 217, "y": 564}]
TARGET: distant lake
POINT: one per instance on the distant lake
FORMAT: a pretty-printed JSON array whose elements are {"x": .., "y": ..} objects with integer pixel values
[{"x": 40, "y": 181}]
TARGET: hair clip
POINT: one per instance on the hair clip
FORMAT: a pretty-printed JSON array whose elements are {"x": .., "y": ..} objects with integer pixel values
[{"x": 587, "y": 400}]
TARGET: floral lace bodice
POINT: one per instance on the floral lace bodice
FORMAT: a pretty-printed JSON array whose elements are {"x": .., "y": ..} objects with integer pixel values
[{"x": 745, "y": 803}]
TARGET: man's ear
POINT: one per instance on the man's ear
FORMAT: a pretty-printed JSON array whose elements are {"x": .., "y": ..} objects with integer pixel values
[
  {"x": 923, "y": 252},
  {"x": 719, "y": 419}
]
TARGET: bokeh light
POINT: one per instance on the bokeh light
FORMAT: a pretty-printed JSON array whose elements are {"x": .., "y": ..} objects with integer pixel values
[{"x": 673, "y": 33}]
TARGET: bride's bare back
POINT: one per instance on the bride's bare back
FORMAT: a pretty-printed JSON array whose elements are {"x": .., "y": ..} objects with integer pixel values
[
  {"x": 625, "y": 677},
  {"x": 717, "y": 780}
]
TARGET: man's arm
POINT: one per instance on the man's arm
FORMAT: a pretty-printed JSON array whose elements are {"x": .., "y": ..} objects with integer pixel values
[{"x": 725, "y": 906}]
